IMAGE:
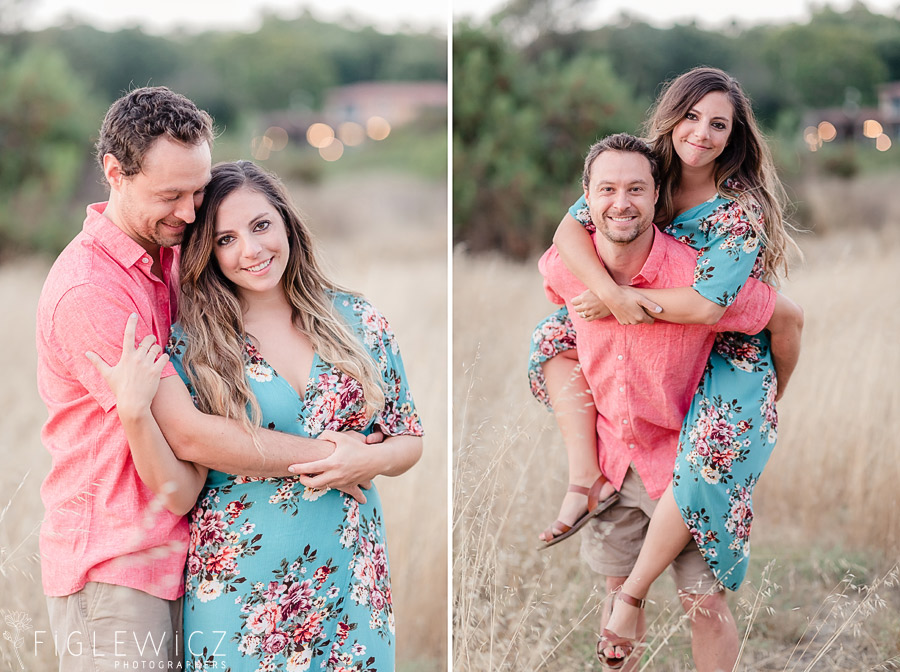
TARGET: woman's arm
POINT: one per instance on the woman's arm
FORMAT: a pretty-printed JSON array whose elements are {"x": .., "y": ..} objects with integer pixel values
[
  {"x": 134, "y": 380},
  {"x": 684, "y": 305},
  {"x": 681, "y": 305},
  {"x": 785, "y": 327},
  {"x": 354, "y": 463},
  {"x": 224, "y": 444},
  {"x": 725, "y": 250},
  {"x": 576, "y": 249}
]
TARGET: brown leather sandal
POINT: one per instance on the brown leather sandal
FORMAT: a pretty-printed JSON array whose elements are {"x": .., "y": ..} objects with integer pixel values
[
  {"x": 559, "y": 531},
  {"x": 610, "y": 640}
]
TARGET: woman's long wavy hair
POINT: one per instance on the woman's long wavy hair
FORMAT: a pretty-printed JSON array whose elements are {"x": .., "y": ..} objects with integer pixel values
[
  {"x": 212, "y": 316},
  {"x": 746, "y": 160}
]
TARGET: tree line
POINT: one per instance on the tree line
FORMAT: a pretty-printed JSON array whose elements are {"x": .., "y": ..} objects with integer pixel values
[
  {"x": 55, "y": 85},
  {"x": 530, "y": 97}
]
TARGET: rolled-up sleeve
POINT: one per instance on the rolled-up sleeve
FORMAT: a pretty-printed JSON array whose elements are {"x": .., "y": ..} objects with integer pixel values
[
  {"x": 559, "y": 283},
  {"x": 751, "y": 310}
]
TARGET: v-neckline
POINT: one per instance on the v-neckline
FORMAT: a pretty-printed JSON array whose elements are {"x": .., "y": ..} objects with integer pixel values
[
  {"x": 309, "y": 377},
  {"x": 711, "y": 199}
]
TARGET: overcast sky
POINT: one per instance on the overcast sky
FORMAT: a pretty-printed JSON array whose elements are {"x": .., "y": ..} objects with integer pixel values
[
  {"x": 194, "y": 15},
  {"x": 707, "y": 13}
]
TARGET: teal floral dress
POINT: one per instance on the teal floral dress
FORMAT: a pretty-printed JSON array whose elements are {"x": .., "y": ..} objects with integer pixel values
[
  {"x": 730, "y": 428},
  {"x": 280, "y": 576}
]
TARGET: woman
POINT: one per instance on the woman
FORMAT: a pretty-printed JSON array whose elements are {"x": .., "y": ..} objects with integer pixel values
[
  {"x": 720, "y": 195},
  {"x": 282, "y": 573}
]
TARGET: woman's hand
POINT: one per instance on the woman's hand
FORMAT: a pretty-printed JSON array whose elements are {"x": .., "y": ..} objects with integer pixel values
[
  {"x": 350, "y": 468},
  {"x": 135, "y": 378},
  {"x": 627, "y": 305}
]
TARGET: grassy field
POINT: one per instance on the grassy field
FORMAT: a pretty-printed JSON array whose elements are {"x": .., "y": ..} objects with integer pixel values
[
  {"x": 822, "y": 591},
  {"x": 382, "y": 235}
]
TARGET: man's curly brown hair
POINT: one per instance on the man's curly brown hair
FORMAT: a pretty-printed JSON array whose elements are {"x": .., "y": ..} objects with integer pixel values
[{"x": 138, "y": 118}]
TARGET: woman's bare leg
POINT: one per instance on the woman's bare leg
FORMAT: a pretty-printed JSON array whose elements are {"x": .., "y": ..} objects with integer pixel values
[
  {"x": 576, "y": 416},
  {"x": 785, "y": 327},
  {"x": 666, "y": 537}
]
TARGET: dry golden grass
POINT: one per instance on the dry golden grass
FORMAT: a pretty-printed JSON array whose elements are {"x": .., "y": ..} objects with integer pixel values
[
  {"x": 820, "y": 593},
  {"x": 384, "y": 236}
]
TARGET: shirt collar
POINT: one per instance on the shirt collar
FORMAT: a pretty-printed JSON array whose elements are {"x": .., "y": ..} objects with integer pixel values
[
  {"x": 655, "y": 260},
  {"x": 118, "y": 243}
]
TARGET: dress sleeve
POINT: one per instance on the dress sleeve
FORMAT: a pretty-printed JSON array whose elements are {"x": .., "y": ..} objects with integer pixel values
[
  {"x": 582, "y": 213},
  {"x": 175, "y": 349},
  {"x": 751, "y": 310},
  {"x": 399, "y": 415},
  {"x": 729, "y": 254}
]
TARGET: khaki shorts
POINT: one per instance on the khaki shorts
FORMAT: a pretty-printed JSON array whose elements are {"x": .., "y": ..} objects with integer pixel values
[
  {"x": 611, "y": 542},
  {"x": 106, "y": 627}
]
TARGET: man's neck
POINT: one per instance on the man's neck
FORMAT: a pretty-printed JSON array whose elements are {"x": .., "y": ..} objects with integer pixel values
[
  {"x": 111, "y": 212},
  {"x": 623, "y": 261}
]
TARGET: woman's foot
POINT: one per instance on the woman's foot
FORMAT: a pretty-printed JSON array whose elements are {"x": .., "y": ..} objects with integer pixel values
[
  {"x": 618, "y": 639},
  {"x": 580, "y": 504}
]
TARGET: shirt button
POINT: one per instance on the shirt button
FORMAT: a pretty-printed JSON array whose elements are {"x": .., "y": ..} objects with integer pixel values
[
  {"x": 146, "y": 260},
  {"x": 631, "y": 445},
  {"x": 620, "y": 357},
  {"x": 622, "y": 389},
  {"x": 625, "y": 422}
]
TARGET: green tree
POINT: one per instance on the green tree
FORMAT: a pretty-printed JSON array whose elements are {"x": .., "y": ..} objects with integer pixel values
[
  {"x": 521, "y": 130},
  {"x": 46, "y": 122},
  {"x": 817, "y": 63},
  {"x": 115, "y": 62}
]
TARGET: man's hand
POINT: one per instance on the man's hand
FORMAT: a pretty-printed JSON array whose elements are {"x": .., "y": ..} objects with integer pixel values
[
  {"x": 135, "y": 378},
  {"x": 350, "y": 468}
]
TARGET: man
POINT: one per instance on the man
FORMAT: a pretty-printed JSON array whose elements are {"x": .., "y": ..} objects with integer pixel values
[
  {"x": 111, "y": 558},
  {"x": 642, "y": 377}
]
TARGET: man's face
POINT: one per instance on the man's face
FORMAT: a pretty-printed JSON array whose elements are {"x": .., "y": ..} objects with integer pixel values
[
  {"x": 155, "y": 206},
  {"x": 621, "y": 195}
]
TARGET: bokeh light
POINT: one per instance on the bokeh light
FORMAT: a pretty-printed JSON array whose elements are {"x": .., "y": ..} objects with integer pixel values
[
  {"x": 883, "y": 143},
  {"x": 319, "y": 135},
  {"x": 278, "y": 136},
  {"x": 827, "y": 131},
  {"x": 333, "y": 151},
  {"x": 261, "y": 147},
  {"x": 378, "y": 128},
  {"x": 351, "y": 133},
  {"x": 811, "y": 138},
  {"x": 872, "y": 129}
]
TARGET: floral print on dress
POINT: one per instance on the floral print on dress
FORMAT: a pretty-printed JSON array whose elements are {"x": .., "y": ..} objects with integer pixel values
[
  {"x": 731, "y": 426},
  {"x": 768, "y": 429},
  {"x": 336, "y": 400},
  {"x": 555, "y": 334},
  {"x": 371, "y": 587},
  {"x": 281, "y": 576},
  {"x": 216, "y": 546},
  {"x": 747, "y": 353},
  {"x": 716, "y": 441},
  {"x": 739, "y": 517},
  {"x": 727, "y": 241}
]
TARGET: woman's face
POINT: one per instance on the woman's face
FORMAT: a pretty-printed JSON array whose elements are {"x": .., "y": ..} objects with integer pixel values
[
  {"x": 702, "y": 135},
  {"x": 251, "y": 243}
]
